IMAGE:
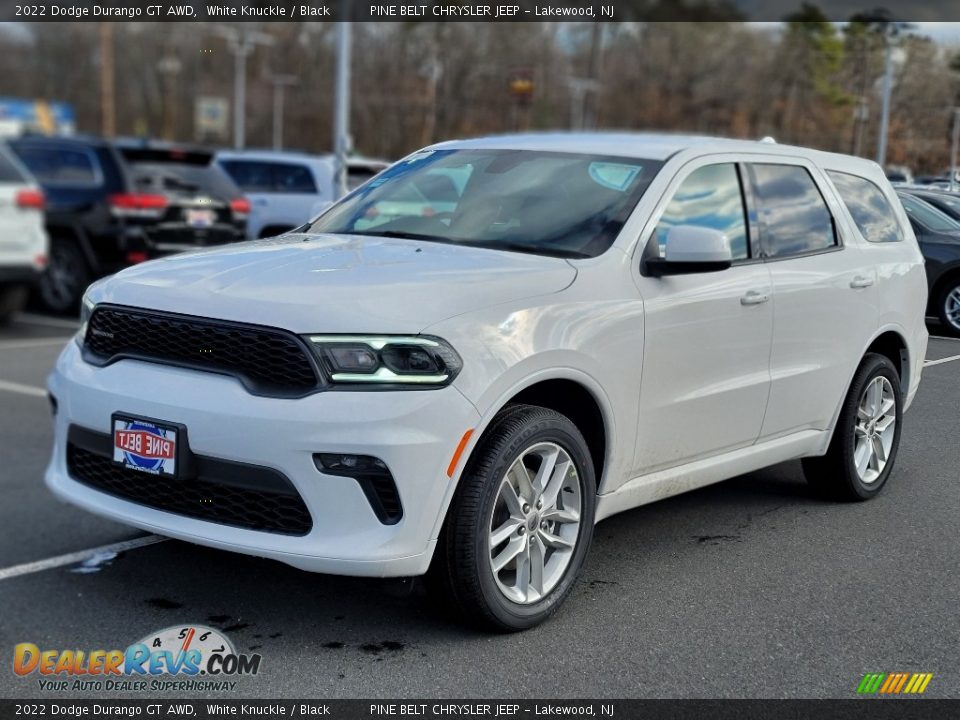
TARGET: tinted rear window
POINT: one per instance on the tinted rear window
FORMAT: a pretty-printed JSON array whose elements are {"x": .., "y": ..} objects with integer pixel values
[
  {"x": 182, "y": 179},
  {"x": 868, "y": 206},
  {"x": 62, "y": 165}
]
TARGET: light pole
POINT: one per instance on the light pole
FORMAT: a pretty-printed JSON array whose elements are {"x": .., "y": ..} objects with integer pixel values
[
  {"x": 241, "y": 43},
  {"x": 280, "y": 83},
  {"x": 341, "y": 104},
  {"x": 169, "y": 67},
  {"x": 885, "y": 101},
  {"x": 891, "y": 32}
]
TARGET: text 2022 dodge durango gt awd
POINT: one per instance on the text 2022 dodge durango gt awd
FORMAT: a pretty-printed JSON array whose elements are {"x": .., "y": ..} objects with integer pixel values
[{"x": 466, "y": 363}]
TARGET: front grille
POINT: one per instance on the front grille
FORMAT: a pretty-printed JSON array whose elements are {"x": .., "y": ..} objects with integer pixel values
[
  {"x": 268, "y": 361},
  {"x": 200, "y": 497}
]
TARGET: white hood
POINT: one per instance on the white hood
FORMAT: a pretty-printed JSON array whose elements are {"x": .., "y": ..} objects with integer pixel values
[{"x": 336, "y": 283}]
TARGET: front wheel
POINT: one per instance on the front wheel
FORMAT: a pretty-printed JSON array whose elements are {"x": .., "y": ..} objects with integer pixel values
[
  {"x": 521, "y": 523},
  {"x": 866, "y": 438}
]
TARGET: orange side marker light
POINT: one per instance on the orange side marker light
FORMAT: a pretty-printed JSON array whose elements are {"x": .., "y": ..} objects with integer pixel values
[{"x": 452, "y": 467}]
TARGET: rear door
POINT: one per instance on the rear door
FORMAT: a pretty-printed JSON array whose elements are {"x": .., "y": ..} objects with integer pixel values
[{"x": 824, "y": 287}]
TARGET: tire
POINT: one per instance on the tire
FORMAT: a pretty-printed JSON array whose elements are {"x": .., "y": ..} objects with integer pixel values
[
  {"x": 463, "y": 569},
  {"x": 66, "y": 278},
  {"x": 836, "y": 474},
  {"x": 948, "y": 306},
  {"x": 13, "y": 298}
]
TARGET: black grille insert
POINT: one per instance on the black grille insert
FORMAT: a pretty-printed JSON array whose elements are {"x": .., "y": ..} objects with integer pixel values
[
  {"x": 268, "y": 361},
  {"x": 244, "y": 496}
]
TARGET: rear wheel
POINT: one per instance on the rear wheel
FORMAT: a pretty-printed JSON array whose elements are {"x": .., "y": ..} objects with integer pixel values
[
  {"x": 948, "y": 306},
  {"x": 866, "y": 438},
  {"x": 66, "y": 277},
  {"x": 13, "y": 298},
  {"x": 520, "y": 526}
]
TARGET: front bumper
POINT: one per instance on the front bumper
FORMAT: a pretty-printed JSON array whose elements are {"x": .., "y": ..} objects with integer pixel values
[{"x": 415, "y": 433}]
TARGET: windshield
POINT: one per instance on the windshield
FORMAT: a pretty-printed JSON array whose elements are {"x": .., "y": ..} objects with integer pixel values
[
  {"x": 561, "y": 204},
  {"x": 927, "y": 215}
]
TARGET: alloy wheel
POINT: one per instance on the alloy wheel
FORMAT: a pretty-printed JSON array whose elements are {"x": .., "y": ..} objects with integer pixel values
[
  {"x": 875, "y": 429},
  {"x": 951, "y": 308},
  {"x": 535, "y": 523}
]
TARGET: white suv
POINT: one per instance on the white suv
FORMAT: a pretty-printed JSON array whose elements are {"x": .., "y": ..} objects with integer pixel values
[
  {"x": 23, "y": 240},
  {"x": 598, "y": 322}
]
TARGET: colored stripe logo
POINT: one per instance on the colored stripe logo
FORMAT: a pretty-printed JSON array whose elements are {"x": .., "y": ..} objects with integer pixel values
[{"x": 894, "y": 683}]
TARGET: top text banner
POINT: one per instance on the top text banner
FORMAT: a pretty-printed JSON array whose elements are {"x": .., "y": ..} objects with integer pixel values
[{"x": 505, "y": 11}]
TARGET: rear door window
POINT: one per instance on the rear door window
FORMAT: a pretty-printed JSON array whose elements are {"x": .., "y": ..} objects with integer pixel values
[
  {"x": 868, "y": 206},
  {"x": 793, "y": 216},
  {"x": 59, "y": 165}
]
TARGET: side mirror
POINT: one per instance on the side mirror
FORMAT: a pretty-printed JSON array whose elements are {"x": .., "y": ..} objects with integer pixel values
[{"x": 692, "y": 249}]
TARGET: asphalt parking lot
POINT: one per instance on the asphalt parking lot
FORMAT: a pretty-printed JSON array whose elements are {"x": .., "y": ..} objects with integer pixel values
[{"x": 750, "y": 588}]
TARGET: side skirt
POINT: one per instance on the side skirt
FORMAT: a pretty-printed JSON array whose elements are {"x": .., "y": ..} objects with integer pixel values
[{"x": 673, "y": 481}]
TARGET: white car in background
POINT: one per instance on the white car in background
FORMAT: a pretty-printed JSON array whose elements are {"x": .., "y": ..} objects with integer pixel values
[
  {"x": 23, "y": 240},
  {"x": 288, "y": 189},
  {"x": 600, "y": 321}
]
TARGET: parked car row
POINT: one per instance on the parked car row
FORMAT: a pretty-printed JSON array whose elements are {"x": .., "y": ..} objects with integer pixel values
[{"x": 108, "y": 204}]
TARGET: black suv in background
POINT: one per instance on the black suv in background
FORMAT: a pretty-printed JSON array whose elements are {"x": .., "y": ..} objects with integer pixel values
[{"x": 113, "y": 204}]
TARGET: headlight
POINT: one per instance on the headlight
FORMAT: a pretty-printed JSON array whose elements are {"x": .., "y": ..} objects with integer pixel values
[
  {"x": 86, "y": 309},
  {"x": 386, "y": 359}
]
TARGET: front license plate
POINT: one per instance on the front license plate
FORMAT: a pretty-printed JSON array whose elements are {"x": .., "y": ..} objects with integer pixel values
[
  {"x": 200, "y": 218},
  {"x": 145, "y": 445}
]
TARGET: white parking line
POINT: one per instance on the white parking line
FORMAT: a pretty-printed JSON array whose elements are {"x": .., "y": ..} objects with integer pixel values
[
  {"x": 31, "y": 390},
  {"x": 36, "y": 342},
  {"x": 929, "y": 363},
  {"x": 33, "y": 319},
  {"x": 77, "y": 557}
]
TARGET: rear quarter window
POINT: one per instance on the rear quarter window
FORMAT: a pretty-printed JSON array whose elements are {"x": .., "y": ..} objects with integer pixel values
[{"x": 868, "y": 206}]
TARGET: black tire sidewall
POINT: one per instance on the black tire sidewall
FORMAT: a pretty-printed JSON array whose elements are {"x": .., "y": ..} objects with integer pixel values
[
  {"x": 872, "y": 367},
  {"x": 59, "y": 248},
  {"x": 539, "y": 425}
]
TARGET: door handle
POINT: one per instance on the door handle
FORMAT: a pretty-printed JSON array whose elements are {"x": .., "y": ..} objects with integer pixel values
[
  {"x": 860, "y": 282},
  {"x": 754, "y": 297}
]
